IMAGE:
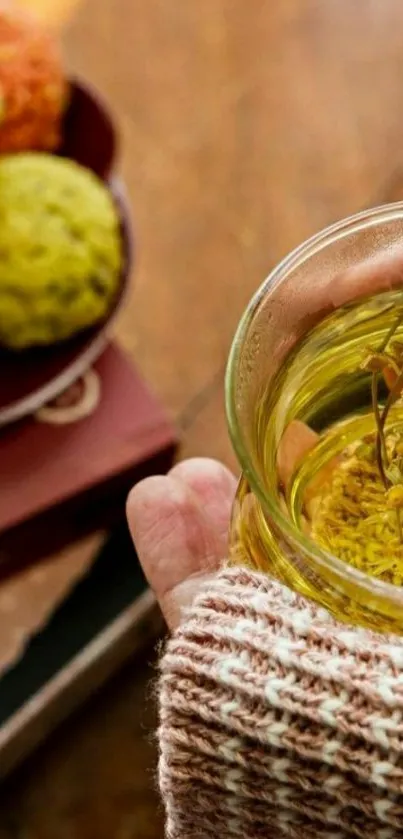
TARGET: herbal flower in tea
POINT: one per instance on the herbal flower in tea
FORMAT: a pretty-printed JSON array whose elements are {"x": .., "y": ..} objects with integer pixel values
[{"x": 340, "y": 470}]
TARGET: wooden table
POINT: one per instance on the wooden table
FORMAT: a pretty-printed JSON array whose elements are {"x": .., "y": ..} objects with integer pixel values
[{"x": 245, "y": 128}]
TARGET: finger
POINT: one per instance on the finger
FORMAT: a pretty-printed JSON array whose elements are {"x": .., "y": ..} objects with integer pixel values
[
  {"x": 182, "y": 596},
  {"x": 175, "y": 541},
  {"x": 373, "y": 276},
  {"x": 298, "y": 439},
  {"x": 383, "y": 272},
  {"x": 215, "y": 487}
]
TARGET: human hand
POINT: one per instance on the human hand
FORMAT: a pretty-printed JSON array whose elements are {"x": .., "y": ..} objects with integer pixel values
[
  {"x": 255, "y": 729},
  {"x": 179, "y": 524}
]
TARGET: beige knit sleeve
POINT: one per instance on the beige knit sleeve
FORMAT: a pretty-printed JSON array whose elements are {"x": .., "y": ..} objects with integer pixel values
[{"x": 277, "y": 721}]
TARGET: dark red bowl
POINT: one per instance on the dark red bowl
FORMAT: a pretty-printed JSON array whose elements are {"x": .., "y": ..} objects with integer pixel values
[
  {"x": 30, "y": 378},
  {"x": 89, "y": 134}
]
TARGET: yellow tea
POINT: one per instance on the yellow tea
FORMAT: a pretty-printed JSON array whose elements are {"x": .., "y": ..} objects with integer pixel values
[{"x": 329, "y": 435}]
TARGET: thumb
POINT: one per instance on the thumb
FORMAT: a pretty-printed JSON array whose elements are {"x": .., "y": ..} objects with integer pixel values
[{"x": 179, "y": 525}]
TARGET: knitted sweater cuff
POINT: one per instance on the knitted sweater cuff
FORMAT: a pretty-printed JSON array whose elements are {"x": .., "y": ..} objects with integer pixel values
[{"x": 277, "y": 721}]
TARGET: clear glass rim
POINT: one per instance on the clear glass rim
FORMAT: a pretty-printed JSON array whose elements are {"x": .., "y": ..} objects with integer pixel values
[{"x": 299, "y": 542}]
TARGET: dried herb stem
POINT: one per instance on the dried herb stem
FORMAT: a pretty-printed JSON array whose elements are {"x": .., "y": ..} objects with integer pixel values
[
  {"x": 380, "y": 419},
  {"x": 392, "y": 331},
  {"x": 381, "y": 455},
  {"x": 392, "y": 397}
]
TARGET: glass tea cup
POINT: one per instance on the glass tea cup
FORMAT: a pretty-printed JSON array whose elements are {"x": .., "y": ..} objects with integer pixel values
[{"x": 296, "y": 379}]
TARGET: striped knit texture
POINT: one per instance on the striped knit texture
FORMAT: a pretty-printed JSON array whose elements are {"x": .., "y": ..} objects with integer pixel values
[{"x": 278, "y": 722}]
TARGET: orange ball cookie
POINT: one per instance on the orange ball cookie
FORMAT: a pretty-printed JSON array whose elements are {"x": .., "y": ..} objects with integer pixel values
[{"x": 33, "y": 86}]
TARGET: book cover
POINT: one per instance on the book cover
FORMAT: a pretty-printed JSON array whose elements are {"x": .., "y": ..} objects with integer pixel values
[{"x": 67, "y": 471}]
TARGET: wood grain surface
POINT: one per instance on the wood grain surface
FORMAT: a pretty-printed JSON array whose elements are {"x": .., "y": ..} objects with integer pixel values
[{"x": 245, "y": 128}]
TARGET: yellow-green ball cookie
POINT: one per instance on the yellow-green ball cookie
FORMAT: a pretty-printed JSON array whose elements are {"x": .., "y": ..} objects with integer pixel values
[{"x": 60, "y": 250}]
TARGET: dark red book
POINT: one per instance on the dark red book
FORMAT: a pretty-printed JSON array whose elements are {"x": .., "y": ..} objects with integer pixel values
[{"x": 67, "y": 471}]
